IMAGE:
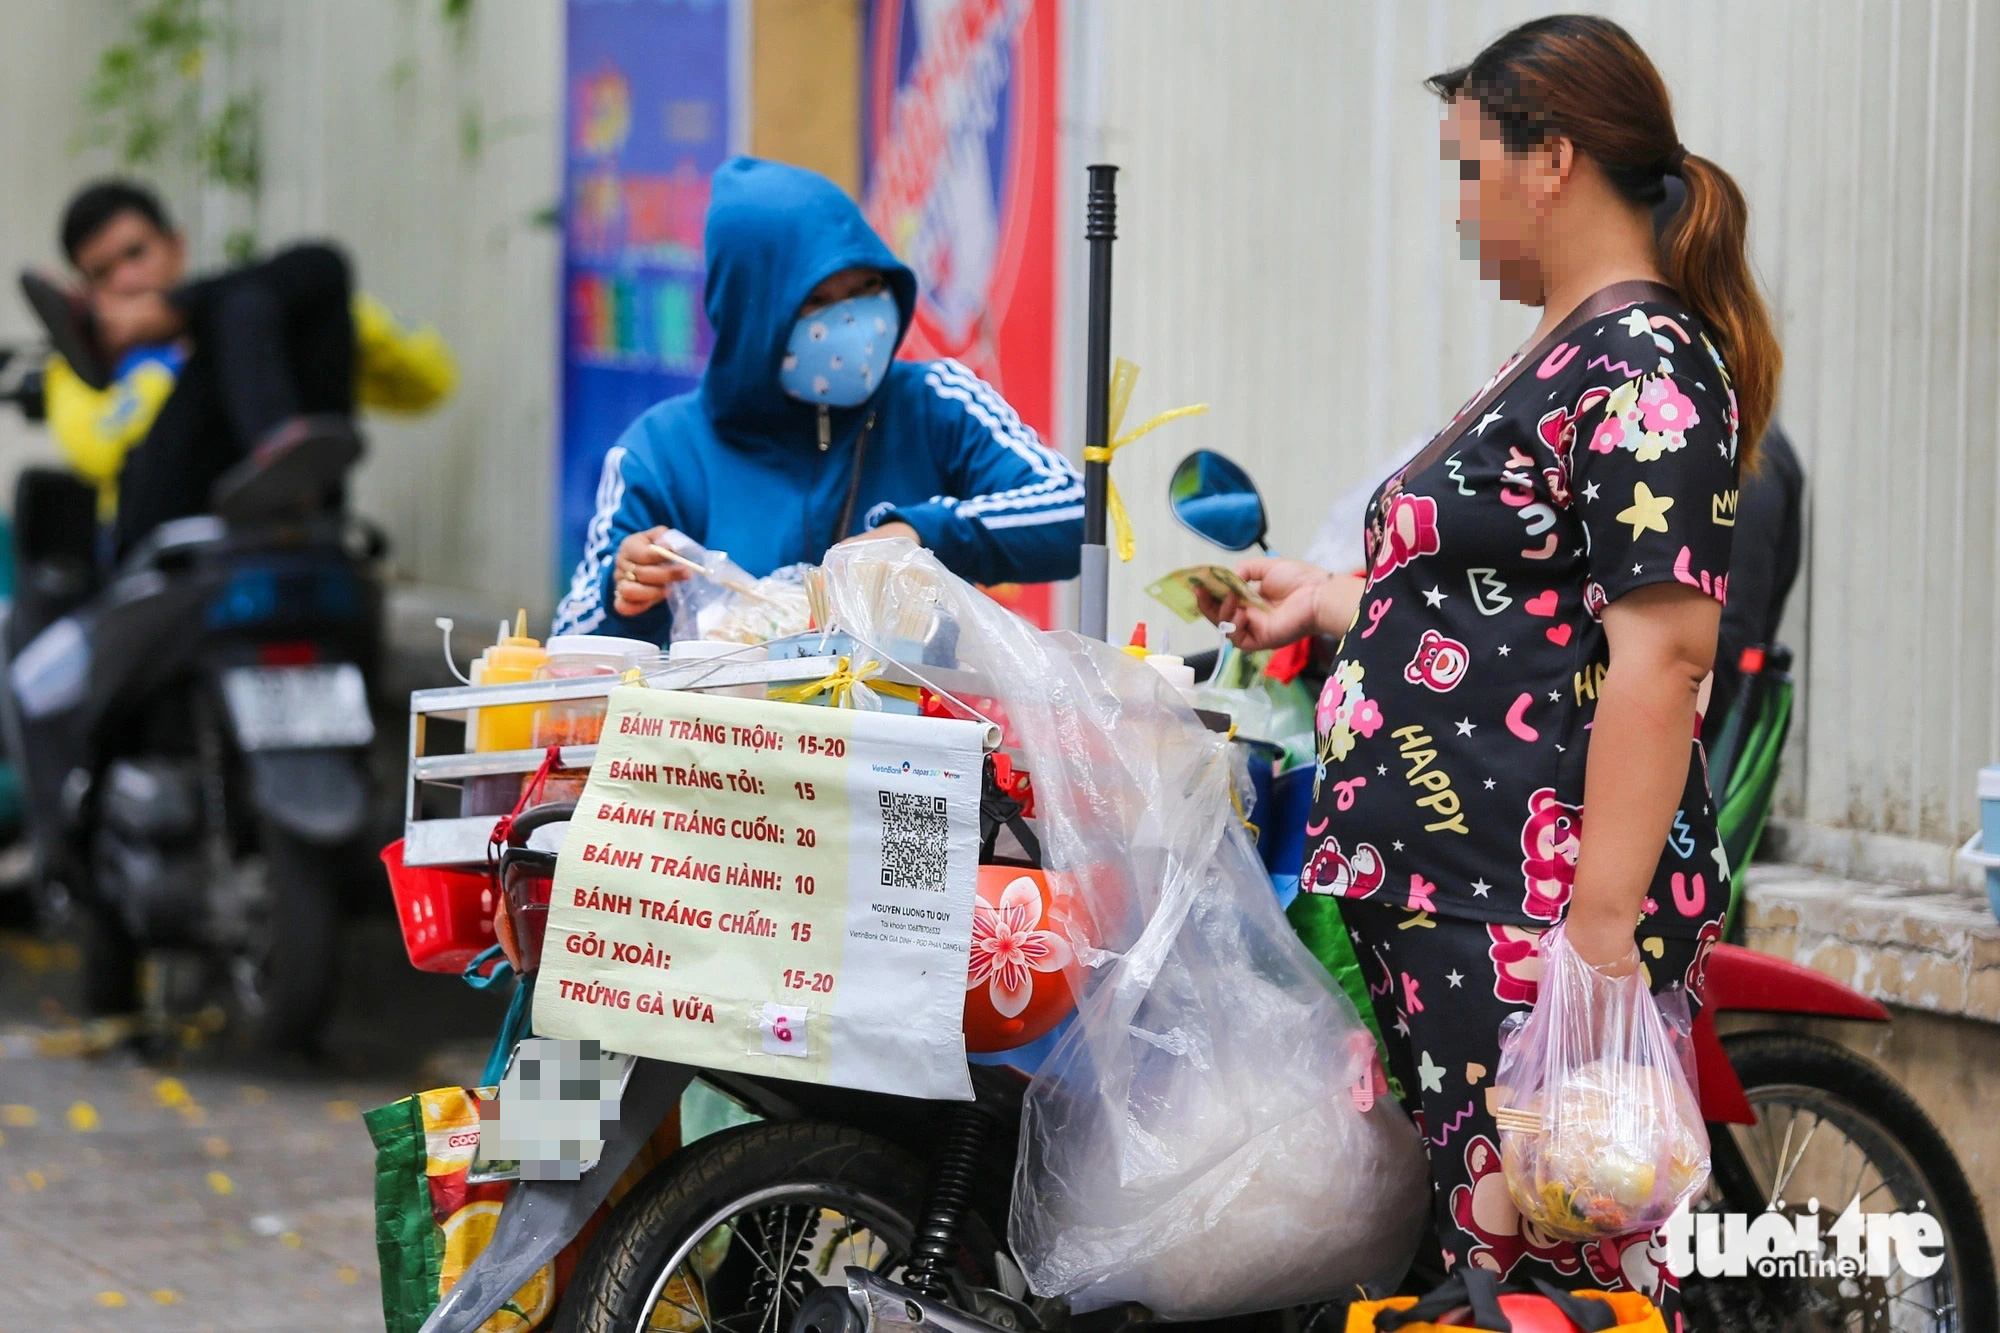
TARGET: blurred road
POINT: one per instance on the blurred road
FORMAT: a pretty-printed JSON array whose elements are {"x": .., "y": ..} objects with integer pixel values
[{"x": 209, "y": 1190}]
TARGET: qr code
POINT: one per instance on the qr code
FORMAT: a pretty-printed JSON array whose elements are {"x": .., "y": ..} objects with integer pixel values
[{"x": 914, "y": 841}]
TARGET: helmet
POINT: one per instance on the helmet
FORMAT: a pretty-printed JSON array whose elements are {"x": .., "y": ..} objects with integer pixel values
[{"x": 1016, "y": 989}]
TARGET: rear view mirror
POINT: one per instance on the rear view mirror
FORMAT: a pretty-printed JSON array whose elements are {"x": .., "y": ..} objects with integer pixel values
[{"x": 1215, "y": 499}]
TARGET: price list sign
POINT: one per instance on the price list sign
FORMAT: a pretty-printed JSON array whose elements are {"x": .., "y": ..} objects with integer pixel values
[{"x": 770, "y": 888}]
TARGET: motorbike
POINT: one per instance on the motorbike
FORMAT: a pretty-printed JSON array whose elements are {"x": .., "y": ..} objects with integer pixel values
[
  {"x": 194, "y": 727},
  {"x": 838, "y": 1211},
  {"x": 841, "y": 1211}
]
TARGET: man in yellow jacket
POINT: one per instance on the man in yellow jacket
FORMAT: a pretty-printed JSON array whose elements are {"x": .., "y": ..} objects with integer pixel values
[{"x": 178, "y": 381}]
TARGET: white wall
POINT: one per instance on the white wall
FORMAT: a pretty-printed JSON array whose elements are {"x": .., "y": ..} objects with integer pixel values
[
  {"x": 370, "y": 107},
  {"x": 1286, "y": 254}
]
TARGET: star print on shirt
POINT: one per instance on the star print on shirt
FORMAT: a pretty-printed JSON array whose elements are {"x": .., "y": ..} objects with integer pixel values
[
  {"x": 1455, "y": 977},
  {"x": 1398, "y": 846},
  {"x": 1402, "y": 1026},
  {"x": 1435, "y": 598},
  {"x": 1466, "y": 726},
  {"x": 1479, "y": 888},
  {"x": 1636, "y": 323},
  {"x": 1590, "y": 490},
  {"x": 1381, "y": 770},
  {"x": 1430, "y": 1074},
  {"x": 1555, "y": 696},
  {"x": 1495, "y": 415},
  {"x": 1504, "y": 650},
  {"x": 1637, "y": 568},
  {"x": 1489, "y": 784},
  {"x": 1647, "y": 512}
]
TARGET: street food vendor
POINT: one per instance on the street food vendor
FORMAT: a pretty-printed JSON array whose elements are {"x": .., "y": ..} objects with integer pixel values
[{"x": 804, "y": 430}]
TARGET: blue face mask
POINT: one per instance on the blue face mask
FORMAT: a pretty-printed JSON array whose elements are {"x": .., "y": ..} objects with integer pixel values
[{"x": 837, "y": 354}]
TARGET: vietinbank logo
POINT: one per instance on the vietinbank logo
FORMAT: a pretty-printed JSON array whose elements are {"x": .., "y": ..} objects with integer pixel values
[{"x": 1784, "y": 1244}]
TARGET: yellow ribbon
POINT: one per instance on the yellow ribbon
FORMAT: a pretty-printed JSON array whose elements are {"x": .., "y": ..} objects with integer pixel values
[
  {"x": 1123, "y": 376},
  {"x": 840, "y": 683}
]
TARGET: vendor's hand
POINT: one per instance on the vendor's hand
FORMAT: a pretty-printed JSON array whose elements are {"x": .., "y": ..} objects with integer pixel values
[
  {"x": 642, "y": 574},
  {"x": 133, "y": 319},
  {"x": 895, "y": 527}
]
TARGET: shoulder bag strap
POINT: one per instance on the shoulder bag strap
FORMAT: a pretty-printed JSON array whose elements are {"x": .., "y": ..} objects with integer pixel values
[{"x": 1601, "y": 302}]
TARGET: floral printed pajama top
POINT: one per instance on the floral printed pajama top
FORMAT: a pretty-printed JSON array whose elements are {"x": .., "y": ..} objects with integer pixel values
[{"x": 1454, "y": 729}]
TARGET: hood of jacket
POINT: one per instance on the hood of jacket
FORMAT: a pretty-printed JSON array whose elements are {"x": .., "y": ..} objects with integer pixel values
[{"x": 775, "y": 232}]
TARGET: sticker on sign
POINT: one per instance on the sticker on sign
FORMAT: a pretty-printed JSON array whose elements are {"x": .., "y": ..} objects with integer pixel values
[{"x": 782, "y": 1028}]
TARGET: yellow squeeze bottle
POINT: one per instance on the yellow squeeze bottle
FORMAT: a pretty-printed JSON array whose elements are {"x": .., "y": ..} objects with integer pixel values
[{"x": 515, "y": 658}]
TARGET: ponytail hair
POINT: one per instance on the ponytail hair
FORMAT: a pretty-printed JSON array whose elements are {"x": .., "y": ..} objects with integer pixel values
[
  {"x": 1584, "y": 78},
  {"x": 1704, "y": 259}
]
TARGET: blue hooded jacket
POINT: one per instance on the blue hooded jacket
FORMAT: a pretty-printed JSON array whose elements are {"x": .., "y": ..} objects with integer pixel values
[{"x": 739, "y": 465}]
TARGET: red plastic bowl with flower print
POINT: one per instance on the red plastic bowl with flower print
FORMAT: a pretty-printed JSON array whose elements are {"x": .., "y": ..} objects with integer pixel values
[{"x": 1016, "y": 989}]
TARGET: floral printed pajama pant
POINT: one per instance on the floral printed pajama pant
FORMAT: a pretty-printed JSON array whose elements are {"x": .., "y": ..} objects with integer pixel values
[{"x": 1441, "y": 986}]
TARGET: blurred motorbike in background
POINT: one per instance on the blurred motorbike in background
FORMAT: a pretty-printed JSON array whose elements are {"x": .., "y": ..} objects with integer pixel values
[{"x": 193, "y": 722}]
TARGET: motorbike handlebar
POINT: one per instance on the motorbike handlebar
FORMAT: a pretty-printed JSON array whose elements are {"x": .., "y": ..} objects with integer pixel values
[{"x": 21, "y": 381}]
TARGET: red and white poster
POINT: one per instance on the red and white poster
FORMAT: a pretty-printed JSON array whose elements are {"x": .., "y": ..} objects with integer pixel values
[{"x": 959, "y": 159}]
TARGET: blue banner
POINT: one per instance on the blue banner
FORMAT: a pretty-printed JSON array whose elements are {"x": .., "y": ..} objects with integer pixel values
[{"x": 649, "y": 106}]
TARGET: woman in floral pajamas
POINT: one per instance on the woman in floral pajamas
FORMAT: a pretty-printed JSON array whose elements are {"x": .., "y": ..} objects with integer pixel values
[{"x": 1540, "y": 611}]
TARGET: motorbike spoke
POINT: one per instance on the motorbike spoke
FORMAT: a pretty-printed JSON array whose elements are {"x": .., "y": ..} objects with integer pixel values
[
  {"x": 1788, "y": 1163},
  {"x": 698, "y": 1309}
]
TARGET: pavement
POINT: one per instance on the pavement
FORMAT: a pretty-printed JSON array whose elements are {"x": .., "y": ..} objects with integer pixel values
[{"x": 207, "y": 1189}]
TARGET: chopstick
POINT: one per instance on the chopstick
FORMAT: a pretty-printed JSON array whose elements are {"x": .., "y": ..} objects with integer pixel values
[{"x": 734, "y": 585}]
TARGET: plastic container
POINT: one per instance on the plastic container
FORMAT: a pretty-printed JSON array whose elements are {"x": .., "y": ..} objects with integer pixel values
[
  {"x": 1989, "y": 830},
  {"x": 513, "y": 659},
  {"x": 1178, "y": 673},
  {"x": 446, "y": 912},
  {"x": 573, "y": 657},
  {"x": 704, "y": 650},
  {"x": 579, "y": 721}
]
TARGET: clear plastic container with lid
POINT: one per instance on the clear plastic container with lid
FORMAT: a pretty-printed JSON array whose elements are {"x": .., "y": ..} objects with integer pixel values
[
  {"x": 580, "y": 721},
  {"x": 570, "y": 656}
]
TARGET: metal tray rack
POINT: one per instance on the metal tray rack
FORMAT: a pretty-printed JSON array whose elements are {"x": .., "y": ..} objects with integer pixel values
[{"x": 462, "y": 840}]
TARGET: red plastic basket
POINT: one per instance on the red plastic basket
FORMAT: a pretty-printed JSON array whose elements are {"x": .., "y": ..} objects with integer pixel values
[{"x": 446, "y": 912}]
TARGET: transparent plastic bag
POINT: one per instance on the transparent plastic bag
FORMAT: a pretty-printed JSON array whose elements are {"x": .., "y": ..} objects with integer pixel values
[
  {"x": 1600, "y": 1129},
  {"x": 1196, "y": 1140},
  {"x": 730, "y": 604}
]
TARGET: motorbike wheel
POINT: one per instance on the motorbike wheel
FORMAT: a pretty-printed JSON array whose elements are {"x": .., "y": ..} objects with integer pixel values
[
  {"x": 1832, "y": 1126},
  {"x": 736, "y": 1230},
  {"x": 285, "y": 975}
]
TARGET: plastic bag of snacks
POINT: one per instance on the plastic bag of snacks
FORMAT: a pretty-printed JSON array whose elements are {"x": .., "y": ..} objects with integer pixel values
[
  {"x": 1600, "y": 1131},
  {"x": 728, "y": 603}
]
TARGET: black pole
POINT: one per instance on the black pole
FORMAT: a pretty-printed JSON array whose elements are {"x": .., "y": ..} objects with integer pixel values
[{"x": 1100, "y": 229}]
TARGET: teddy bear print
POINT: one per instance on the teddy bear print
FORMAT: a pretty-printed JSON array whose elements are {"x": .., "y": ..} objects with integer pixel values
[
  {"x": 1439, "y": 664},
  {"x": 1485, "y": 1211},
  {"x": 1704, "y": 945},
  {"x": 1516, "y": 952},
  {"x": 1550, "y": 841},
  {"x": 1634, "y": 1263},
  {"x": 1331, "y": 873},
  {"x": 1408, "y": 529}
]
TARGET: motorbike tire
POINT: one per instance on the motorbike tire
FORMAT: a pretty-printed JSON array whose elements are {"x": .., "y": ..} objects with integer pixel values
[
  {"x": 300, "y": 972},
  {"x": 1845, "y": 1090},
  {"x": 614, "y": 1286}
]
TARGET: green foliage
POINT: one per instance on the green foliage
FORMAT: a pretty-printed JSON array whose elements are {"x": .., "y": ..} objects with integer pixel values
[{"x": 144, "y": 101}]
